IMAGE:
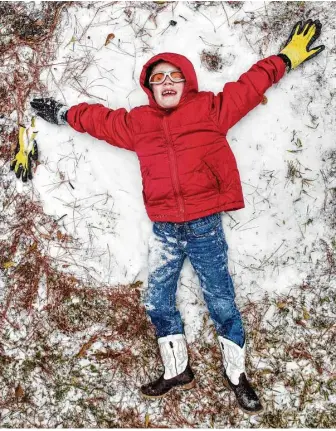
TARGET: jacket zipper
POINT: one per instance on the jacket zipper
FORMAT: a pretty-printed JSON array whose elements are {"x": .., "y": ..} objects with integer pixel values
[{"x": 172, "y": 159}]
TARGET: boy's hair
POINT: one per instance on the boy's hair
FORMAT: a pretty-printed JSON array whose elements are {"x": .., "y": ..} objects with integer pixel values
[{"x": 149, "y": 72}]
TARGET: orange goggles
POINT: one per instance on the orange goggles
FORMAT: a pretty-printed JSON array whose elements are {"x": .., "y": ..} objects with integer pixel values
[{"x": 159, "y": 77}]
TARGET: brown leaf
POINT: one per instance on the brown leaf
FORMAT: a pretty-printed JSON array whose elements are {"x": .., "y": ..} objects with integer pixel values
[
  {"x": 32, "y": 248},
  {"x": 86, "y": 347},
  {"x": 301, "y": 354},
  {"x": 301, "y": 323},
  {"x": 298, "y": 351},
  {"x": 19, "y": 392},
  {"x": 110, "y": 37},
  {"x": 110, "y": 354},
  {"x": 264, "y": 100}
]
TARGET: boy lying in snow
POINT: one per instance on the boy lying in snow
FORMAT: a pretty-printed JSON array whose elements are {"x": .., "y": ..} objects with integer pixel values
[{"x": 189, "y": 176}]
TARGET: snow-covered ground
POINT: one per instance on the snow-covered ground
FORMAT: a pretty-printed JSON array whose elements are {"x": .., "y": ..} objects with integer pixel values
[
  {"x": 95, "y": 190},
  {"x": 272, "y": 240}
]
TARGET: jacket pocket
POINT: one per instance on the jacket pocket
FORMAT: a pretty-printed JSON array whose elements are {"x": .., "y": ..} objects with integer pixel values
[{"x": 214, "y": 176}]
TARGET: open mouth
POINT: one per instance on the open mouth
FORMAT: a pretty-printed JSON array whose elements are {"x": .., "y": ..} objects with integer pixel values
[{"x": 168, "y": 93}]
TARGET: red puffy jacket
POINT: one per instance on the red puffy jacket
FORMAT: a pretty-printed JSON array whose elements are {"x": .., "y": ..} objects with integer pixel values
[{"x": 188, "y": 169}]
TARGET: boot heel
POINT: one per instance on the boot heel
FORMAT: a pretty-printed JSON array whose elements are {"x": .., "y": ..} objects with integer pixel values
[{"x": 187, "y": 386}]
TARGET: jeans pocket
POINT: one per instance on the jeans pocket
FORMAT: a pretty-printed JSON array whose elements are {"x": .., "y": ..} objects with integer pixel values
[
  {"x": 204, "y": 226},
  {"x": 164, "y": 229}
]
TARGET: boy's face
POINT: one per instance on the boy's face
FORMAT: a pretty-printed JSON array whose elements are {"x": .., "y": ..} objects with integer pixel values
[{"x": 162, "y": 97}]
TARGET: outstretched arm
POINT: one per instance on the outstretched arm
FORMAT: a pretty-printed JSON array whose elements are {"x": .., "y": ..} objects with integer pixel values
[
  {"x": 112, "y": 126},
  {"x": 238, "y": 98}
]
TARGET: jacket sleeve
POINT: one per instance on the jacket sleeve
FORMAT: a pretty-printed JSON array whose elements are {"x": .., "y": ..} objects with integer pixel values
[
  {"x": 112, "y": 126},
  {"x": 238, "y": 98}
]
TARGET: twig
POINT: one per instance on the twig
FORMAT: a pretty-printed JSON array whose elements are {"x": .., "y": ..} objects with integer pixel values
[
  {"x": 227, "y": 18},
  {"x": 265, "y": 261}
]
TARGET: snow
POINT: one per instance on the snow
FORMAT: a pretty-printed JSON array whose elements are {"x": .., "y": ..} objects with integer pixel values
[
  {"x": 104, "y": 208},
  {"x": 95, "y": 190}
]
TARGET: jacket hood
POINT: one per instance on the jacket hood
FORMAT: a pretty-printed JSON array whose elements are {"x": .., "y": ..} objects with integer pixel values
[{"x": 191, "y": 84}]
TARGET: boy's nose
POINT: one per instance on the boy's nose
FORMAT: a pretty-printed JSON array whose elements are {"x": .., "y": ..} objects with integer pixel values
[{"x": 167, "y": 80}]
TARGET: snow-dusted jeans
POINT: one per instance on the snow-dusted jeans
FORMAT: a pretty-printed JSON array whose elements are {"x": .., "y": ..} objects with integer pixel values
[{"x": 203, "y": 242}]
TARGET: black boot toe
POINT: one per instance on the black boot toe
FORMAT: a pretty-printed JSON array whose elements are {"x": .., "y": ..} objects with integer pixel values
[
  {"x": 246, "y": 397},
  {"x": 161, "y": 386}
]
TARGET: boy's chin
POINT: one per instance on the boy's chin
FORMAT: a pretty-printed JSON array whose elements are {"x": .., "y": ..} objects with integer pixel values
[{"x": 169, "y": 105}]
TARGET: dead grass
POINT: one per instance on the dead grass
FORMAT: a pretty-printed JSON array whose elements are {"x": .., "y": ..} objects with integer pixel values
[
  {"x": 211, "y": 60},
  {"x": 26, "y": 46},
  {"x": 276, "y": 18},
  {"x": 74, "y": 354}
]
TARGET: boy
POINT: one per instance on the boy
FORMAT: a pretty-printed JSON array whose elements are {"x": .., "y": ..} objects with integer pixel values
[{"x": 189, "y": 176}]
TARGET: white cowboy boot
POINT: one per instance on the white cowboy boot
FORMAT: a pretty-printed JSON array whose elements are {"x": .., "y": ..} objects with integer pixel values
[
  {"x": 174, "y": 354},
  {"x": 235, "y": 376}
]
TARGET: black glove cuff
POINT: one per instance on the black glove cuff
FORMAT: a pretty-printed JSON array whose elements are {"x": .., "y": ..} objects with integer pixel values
[
  {"x": 64, "y": 116},
  {"x": 286, "y": 60},
  {"x": 61, "y": 115}
]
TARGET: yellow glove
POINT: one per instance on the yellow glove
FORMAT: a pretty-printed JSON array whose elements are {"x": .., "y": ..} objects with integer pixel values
[
  {"x": 299, "y": 42},
  {"x": 25, "y": 152}
]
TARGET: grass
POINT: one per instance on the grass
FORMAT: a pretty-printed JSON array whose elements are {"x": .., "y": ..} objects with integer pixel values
[
  {"x": 92, "y": 351},
  {"x": 73, "y": 353}
]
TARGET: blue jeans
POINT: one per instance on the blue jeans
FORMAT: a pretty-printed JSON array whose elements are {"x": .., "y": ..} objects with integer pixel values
[{"x": 203, "y": 241}]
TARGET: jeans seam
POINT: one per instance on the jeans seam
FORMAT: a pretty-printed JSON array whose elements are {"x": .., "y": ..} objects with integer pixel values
[{"x": 172, "y": 305}]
